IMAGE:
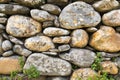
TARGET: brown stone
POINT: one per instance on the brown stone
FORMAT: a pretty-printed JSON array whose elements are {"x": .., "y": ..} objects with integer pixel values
[
  {"x": 62, "y": 39},
  {"x": 83, "y": 74},
  {"x": 8, "y": 65},
  {"x": 21, "y": 26},
  {"x": 106, "y": 39},
  {"x": 109, "y": 67},
  {"x": 39, "y": 43},
  {"x": 79, "y": 38}
]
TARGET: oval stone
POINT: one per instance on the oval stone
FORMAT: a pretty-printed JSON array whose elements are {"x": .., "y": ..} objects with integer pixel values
[
  {"x": 52, "y": 31},
  {"x": 106, "y": 39},
  {"x": 21, "y": 26},
  {"x": 41, "y": 15},
  {"x": 79, "y": 38},
  {"x": 79, "y": 57},
  {"x": 78, "y": 15},
  {"x": 48, "y": 65},
  {"x": 39, "y": 43},
  {"x": 84, "y": 74},
  {"x": 110, "y": 20}
]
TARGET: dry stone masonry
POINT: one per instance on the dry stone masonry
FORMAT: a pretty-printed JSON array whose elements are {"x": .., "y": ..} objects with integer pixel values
[{"x": 60, "y": 38}]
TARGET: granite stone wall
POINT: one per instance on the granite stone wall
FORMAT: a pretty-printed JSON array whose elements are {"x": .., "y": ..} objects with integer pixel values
[{"x": 62, "y": 39}]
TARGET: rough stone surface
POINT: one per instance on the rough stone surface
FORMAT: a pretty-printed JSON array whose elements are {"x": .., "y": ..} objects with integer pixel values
[
  {"x": 106, "y": 5},
  {"x": 109, "y": 67},
  {"x": 56, "y": 22},
  {"x": 48, "y": 65},
  {"x": 2, "y": 27},
  {"x": 21, "y": 26},
  {"x": 58, "y": 2},
  {"x": 78, "y": 15},
  {"x": 9, "y": 64},
  {"x": 53, "y": 9},
  {"x": 79, "y": 38},
  {"x": 50, "y": 53},
  {"x": 30, "y": 3},
  {"x": 41, "y": 15},
  {"x": 21, "y": 50},
  {"x": 91, "y": 29},
  {"x": 62, "y": 39},
  {"x": 117, "y": 77},
  {"x": 3, "y": 20},
  {"x": 6, "y": 45},
  {"x": 39, "y": 43},
  {"x": 79, "y": 57},
  {"x": 47, "y": 24},
  {"x": 1, "y": 40},
  {"x": 57, "y": 78},
  {"x": 54, "y": 50},
  {"x": 15, "y": 40},
  {"x": 52, "y": 31},
  {"x": 13, "y": 9},
  {"x": 64, "y": 47},
  {"x": 109, "y": 55},
  {"x": 7, "y": 53},
  {"x": 110, "y": 20},
  {"x": 83, "y": 74},
  {"x": 106, "y": 39},
  {"x": 117, "y": 61}
]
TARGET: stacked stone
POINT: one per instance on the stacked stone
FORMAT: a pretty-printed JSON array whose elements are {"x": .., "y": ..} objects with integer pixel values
[{"x": 54, "y": 35}]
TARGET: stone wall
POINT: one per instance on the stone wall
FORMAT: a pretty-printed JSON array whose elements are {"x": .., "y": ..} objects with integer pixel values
[{"x": 60, "y": 38}]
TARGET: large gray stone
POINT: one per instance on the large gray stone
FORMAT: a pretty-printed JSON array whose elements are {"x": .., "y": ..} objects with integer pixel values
[
  {"x": 79, "y": 57},
  {"x": 13, "y": 9},
  {"x": 48, "y": 66},
  {"x": 21, "y": 26},
  {"x": 78, "y": 15}
]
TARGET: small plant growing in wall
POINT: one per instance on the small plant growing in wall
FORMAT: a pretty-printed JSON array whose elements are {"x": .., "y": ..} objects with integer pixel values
[
  {"x": 97, "y": 67},
  {"x": 32, "y": 72},
  {"x": 21, "y": 61}
]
